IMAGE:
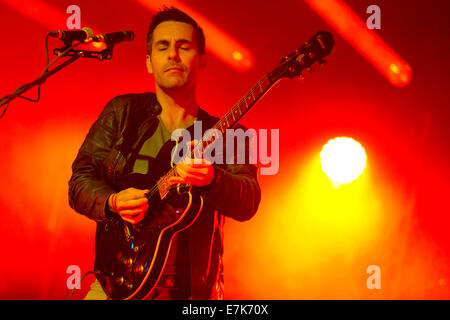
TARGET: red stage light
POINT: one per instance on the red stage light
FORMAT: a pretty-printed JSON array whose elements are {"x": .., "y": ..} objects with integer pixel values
[{"x": 341, "y": 17}]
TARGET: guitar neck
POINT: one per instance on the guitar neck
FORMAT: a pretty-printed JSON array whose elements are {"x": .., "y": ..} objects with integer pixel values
[{"x": 234, "y": 115}]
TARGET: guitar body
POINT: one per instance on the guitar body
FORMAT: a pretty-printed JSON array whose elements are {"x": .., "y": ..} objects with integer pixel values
[{"x": 133, "y": 256}]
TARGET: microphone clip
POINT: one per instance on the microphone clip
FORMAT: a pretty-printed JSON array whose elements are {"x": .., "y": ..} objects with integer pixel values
[{"x": 105, "y": 54}]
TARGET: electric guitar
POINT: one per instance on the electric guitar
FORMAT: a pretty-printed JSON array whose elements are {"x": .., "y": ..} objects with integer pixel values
[{"x": 137, "y": 254}]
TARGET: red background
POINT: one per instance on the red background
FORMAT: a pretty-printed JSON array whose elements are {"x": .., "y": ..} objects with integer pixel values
[{"x": 279, "y": 254}]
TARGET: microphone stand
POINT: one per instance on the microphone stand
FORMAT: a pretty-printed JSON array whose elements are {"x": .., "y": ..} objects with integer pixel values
[
  {"x": 61, "y": 52},
  {"x": 40, "y": 80}
]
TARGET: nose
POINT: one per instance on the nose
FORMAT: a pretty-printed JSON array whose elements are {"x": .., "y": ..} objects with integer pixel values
[{"x": 173, "y": 54}]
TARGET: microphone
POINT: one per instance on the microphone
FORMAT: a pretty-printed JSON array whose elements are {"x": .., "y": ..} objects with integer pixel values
[
  {"x": 71, "y": 35},
  {"x": 115, "y": 37}
]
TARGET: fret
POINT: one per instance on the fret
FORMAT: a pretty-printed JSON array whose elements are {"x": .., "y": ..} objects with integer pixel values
[
  {"x": 265, "y": 80},
  {"x": 232, "y": 114},
  {"x": 224, "y": 125},
  {"x": 248, "y": 101},
  {"x": 239, "y": 108},
  {"x": 230, "y": 119},
  {"x": 252, "y": 94}
]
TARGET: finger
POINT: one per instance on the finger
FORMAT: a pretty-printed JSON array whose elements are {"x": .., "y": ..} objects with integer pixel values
[
  {"x": 189, "y": 160},
  {"x": 138, "y": 218},
  {"x": 133, "y": 220},
  {"x": 176, "y": 180},
  {"x": 197, "y": 176},
  {"x": 130, "y": 212},
  {"x": 197, "y": 173},
  {"x": 132, "y": 203},
  {"x": 193, "y": 142},
  {"x": 192, "y": 161},
  {"x": 128, "y": 220},
  {"x": 202, "y": 164},
  {"x": 191, "y": 180},
  {"x": 132, "y": 194},
  {"x": 188, "y": 173},
  {"x": 179, "y": 169}
]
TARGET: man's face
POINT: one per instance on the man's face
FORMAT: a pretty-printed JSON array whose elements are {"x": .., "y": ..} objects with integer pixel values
[{"x": 174, "y": 60}]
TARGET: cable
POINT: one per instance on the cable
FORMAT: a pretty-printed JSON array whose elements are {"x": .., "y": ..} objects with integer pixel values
[
  {"x": 38, "y": 80},
  {"x": 81, "y": 279}
]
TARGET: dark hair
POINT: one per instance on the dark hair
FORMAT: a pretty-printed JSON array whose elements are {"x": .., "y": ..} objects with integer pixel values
[{"x": 173, "y": 14}]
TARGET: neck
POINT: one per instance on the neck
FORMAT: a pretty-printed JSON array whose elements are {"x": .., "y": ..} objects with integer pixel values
[{"x": 179, "y": 107}]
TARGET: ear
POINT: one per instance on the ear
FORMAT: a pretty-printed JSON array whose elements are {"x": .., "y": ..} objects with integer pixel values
[{"x": 149, "y": 64}]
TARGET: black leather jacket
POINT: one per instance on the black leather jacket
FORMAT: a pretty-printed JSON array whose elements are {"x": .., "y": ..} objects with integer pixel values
[{"x": 103, "y": 157}]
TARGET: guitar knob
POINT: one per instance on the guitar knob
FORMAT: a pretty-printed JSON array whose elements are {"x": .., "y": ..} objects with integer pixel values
[
  {"x": 120, "y": 281},
  {"x": 139, "y": 269},
  {"x": 127, "y": 261}
]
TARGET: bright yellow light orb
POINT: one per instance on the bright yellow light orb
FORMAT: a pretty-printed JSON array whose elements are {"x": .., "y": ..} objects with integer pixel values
[{"x": 343, "y": 160}]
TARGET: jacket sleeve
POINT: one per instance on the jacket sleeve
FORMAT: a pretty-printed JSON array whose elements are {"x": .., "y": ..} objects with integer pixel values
[
  {"x": 235, "y": 191},
  {"x": 88, "y": 192}
]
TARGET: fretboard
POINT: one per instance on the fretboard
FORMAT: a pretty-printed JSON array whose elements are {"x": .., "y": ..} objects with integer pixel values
[{"x": 232, "y": 117}]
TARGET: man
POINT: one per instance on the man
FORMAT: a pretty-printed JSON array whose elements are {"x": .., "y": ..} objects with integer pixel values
[{"x": 126, "y": 138}]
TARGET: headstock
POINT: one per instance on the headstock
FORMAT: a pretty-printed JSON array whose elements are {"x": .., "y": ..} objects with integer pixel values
[{"x": 312, "y": 51}]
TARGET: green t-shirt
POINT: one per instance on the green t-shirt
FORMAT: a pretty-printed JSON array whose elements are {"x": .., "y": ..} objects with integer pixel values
[
  {"x": 143, "y": 165},
  {"x": 150, "y": 149}
]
